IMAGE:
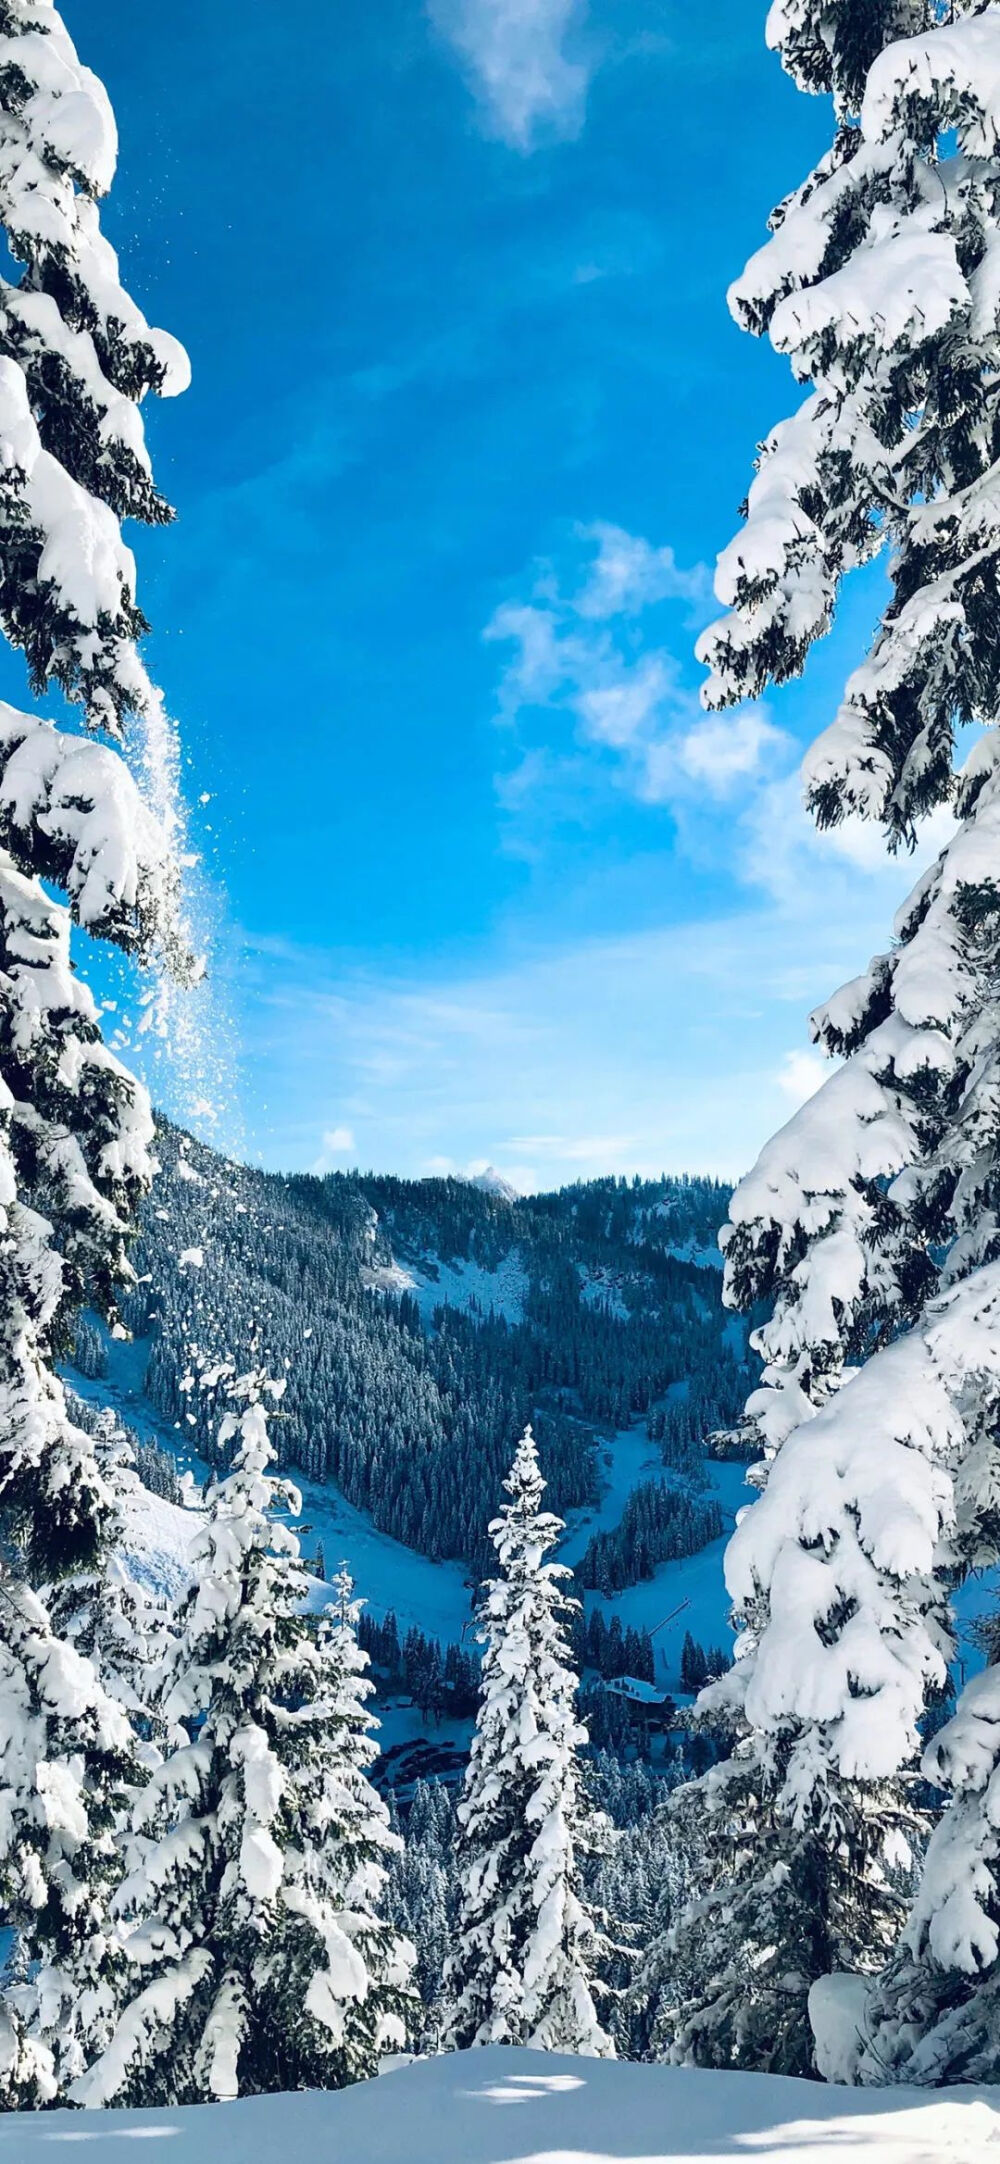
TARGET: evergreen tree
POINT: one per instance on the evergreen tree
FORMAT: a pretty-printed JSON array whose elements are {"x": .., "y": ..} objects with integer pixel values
[
  {"x": 874, "y": 1213},
  {"x": 762, "y": 1910},
  {"x": 422, "y": 1900},
  {"x": 76, "y": 356},
  {"x": 76, "y": 1683},
  {"x": 526, "y": 1946},
  {"x": 934, "y": 2015},
  {"x": 252, "y": 1907},
  {"x": 105, "y": 1612},
  {"x": 68, "y": 1765}
]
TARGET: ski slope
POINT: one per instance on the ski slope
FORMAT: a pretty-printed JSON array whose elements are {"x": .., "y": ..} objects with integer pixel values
[
  {"x": 693, "y": 1585},
  {"x": 522, "y": 2107}
]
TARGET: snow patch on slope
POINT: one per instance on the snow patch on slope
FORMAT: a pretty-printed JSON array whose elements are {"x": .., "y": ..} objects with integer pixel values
[
  {"x": 703, "y": 1258},
  {"x": 158, "y": 1537},
  {"x": 600, "y": 1289},
  {"x": 464, "y": 1284},
  {"x": 389, "y": 1277}
]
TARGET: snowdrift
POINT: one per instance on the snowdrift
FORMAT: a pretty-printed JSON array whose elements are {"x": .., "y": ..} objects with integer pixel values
[{"x": 525, "y": 2107}]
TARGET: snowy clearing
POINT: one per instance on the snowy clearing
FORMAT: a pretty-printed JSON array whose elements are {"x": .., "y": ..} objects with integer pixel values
[
  {"x": 601, "y": 1289},
  {"x": 464, "y": 1284},
  {"x": 624, "y": 1461},
  {"x": 523, "y": 2107},
  {"x": 703, "y": 1258},
  {"x": 436, "y": 1597}
]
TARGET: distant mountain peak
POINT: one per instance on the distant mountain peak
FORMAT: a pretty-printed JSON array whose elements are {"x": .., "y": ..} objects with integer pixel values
[{"x": 492, "y": 1182}]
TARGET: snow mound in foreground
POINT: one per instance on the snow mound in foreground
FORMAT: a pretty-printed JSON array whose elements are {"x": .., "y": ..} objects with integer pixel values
[{"x": 526, "y": 2107}]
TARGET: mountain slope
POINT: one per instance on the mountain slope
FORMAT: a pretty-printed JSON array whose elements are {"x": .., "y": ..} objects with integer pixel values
[{"x": 420, "y": 1324}]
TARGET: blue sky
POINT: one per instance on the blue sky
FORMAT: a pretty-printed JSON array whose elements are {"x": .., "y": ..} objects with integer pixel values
[{"x": 469, "y": 423}]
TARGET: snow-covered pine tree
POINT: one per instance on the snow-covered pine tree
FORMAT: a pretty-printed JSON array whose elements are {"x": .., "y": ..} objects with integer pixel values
[
  {"x": 106, "y": 1612},
  {"x": 76, "y": 1668},
  {"x": 526, "y": 1946},
  {"x": 722, "y": 1983},
  {"x": 934, "y": 2016},
  {"x": 75, "y": 1130},
  {"x": 252, "y": 1910},
  {"x": 421, "y": 1901},
  {"x": 879, "y": 283},
  {"x": 76, "y": 357}
]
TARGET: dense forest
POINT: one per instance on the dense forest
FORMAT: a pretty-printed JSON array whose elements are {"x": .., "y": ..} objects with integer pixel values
[{"x": 420, "y": 1324}]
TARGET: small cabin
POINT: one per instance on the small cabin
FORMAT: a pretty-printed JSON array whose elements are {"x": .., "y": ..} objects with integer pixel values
[{"x": 653, "y": 1707}]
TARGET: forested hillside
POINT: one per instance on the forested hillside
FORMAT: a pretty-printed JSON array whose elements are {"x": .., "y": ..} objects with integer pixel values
[{"x": 421, "y": 1324}]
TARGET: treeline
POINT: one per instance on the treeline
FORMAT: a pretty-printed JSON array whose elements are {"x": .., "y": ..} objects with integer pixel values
[
  {"x": 699, "y": 1665},
  {"x": 658, "y": 1524},
  {"x": 439, "y": 1682},
  {"x": 608, "y": 1649},
  {"x": 445, "y": 1680}
]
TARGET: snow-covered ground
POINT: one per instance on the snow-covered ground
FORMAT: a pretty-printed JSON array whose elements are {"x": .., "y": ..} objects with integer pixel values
[
  {"x": 524, "y": 2107},
  {"x": 624, "y": 1461},
  {"x": 158, "y": 1537},
  {"x": 436, "y": 1597}
]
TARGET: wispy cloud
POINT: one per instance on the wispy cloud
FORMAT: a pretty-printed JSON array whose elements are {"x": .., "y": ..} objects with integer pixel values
[
  {"x": 628, "y": 574},
  {"x": 782, "y": 854},
  {"x": 522, "y": 60},
  {"x": 681, "y": 1046},
  {"x": 580, "y": 652}
]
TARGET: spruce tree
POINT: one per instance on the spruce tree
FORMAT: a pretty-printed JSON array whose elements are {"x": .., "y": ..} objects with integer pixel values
[
  {"x": 105, "y": 1612},
  {"x": 78, "y": 1741},
  {"x": 526, "y": 1946},
  {"x": 252, "y": 1909},
  {"x": 76, "y": 357},
  {"x": 873, "y": 1217}
]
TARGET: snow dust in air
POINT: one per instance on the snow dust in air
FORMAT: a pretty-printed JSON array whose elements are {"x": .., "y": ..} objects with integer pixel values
[{"x": 183, "y": 1028}]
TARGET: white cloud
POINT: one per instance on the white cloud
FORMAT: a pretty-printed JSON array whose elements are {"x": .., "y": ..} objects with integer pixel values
[
  {"x": 337, "y": 1143},
  {"x": 625, "y": 711},
  {"x": 728, "y": 747},
  {"x": 787, "y": 856},
  {"x": 628, "y": 574},
  {"x": 611, "y": 1151},
  {"x": 544, "y": 660},
  {"x": 517, "y": 58},
  {"x": 581, "y": 654}
]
